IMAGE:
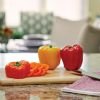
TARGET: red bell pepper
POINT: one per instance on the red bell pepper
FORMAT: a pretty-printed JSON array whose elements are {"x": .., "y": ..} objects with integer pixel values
[
  {"x": 72, "y": 57},
  {"x": 17, "y": 70}
]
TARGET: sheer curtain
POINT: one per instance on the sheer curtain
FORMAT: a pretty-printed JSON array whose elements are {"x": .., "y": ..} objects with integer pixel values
[
  {"x": 69, "y": 9},
  {"x": 14, "y": 7}
]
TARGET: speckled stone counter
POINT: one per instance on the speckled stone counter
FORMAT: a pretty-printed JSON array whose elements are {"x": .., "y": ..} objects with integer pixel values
[{"x": 41, "y": 92}]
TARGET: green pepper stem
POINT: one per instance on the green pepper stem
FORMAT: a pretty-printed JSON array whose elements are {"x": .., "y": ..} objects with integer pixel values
[
  {"x": 50, "y": 46},
  {"x": 17, "y": 64}
]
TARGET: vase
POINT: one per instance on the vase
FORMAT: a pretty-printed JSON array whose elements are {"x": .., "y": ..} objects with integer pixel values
[
  {"x": 3, "y": 44},
  {"x": 3, "y": 48}
]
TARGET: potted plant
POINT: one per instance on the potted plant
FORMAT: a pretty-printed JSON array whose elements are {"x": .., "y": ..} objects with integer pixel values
[{"x": 5, "y": 35}]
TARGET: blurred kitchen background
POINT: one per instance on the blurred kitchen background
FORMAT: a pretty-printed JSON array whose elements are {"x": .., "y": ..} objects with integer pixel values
[{"x": 58, "y": 22}]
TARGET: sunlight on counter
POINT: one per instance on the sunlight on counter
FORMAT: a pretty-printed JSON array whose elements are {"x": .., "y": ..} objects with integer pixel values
[{"x": 32, "y": 57}]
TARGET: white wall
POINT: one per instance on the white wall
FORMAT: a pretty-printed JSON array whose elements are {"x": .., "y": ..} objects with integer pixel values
[
  {"x": 66, "y": 32},
  {"x": 1, "y": 5},
  {"x": 94, "y": 8}
]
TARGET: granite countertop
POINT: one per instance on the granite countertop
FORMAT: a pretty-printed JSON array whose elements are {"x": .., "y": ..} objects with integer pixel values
[{"x": 40, "y": 92}]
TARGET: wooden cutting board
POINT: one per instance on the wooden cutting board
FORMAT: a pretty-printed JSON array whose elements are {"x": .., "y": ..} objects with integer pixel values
[{"x": 60, "y": 75}]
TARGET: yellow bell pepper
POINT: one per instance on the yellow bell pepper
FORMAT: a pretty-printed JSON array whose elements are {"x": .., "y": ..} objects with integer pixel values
[{"x": 49, "y": 55}]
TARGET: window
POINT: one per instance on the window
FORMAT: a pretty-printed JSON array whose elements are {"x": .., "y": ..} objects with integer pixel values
[
  {"x": 69, "y": 9},
  {"x": 14, "y": 7}
]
